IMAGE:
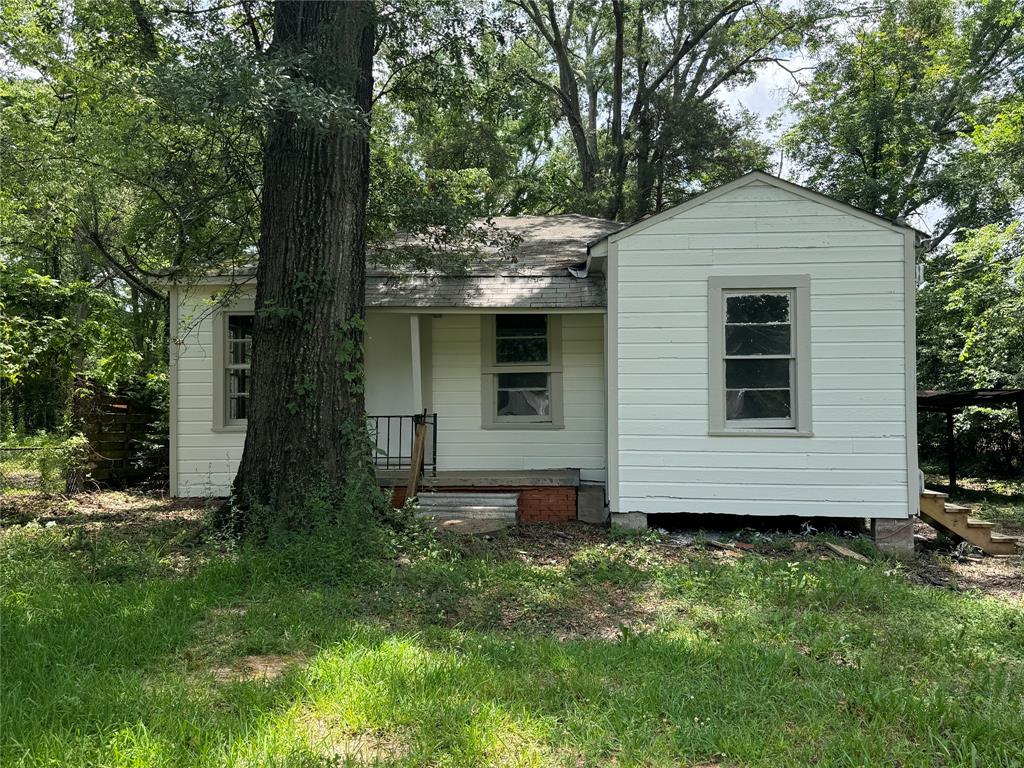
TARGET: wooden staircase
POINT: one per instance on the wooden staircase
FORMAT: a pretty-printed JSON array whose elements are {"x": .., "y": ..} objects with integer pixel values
[{"x": 956, "y": 520}]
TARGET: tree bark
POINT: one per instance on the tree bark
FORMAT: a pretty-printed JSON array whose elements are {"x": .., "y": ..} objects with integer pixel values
[
  {"x": 618, "y": 141},
  {"x": 306, "y": 407}
]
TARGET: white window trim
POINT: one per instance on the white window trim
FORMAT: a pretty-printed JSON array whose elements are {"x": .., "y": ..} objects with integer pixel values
[
  {"x": 799, "y": 286},
  {"x": 489, "y": 369},
  {"x": 220, "y": 385}
]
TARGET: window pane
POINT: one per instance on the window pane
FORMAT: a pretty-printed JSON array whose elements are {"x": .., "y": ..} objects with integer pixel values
[
  {"x": 239, "y": 339},
  {"x": 238, "y": 382},
  {"x": 240, "y": 326},
  {"x": 757, "y": 404},
  {"x": 757, "y": 308},
  {"x": 238, "y": 408},
  {"x": 524, "y": 394},
  {"x": 757, "y": 339},
  {"x": 521, "y": 350},
  {"x": 524, "y": 402},
  {"x": 522, "y": 381},
  {"x": 240, "y": 351},
  {"x": 520, "y": 325},
  {"x": 756, "y": 374}
]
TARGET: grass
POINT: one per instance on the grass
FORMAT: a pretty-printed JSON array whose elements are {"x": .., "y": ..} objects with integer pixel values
[
  {"x": 20, "y": 456},
  {"x": 136, "y": 639}
]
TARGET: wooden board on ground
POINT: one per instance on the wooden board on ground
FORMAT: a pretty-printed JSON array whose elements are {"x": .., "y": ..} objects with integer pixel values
[{"x": 839, "y": 549}]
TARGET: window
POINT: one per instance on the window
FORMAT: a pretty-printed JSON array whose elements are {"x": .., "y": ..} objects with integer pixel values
[
  {"x": 236, "y": 364},
  {"x": 760, "y": 362},
  {"x": 521, "y": 371},
  {"x": 232, "y": 356}
]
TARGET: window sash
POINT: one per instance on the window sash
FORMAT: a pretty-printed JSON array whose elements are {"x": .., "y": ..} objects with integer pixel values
[
  {"x": 491, "y": 369},
  {"x": 233, "y": 400},
  {"x": 509, "y": 336},
  {"x": 525, "y": 417},
  {"x": 768, "y": 315}
]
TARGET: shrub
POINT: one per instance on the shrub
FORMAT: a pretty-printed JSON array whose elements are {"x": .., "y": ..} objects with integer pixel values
[{"x": 62, "y": 464}]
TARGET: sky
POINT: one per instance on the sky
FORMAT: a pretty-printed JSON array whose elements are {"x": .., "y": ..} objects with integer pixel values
[{"x": 765, "y": 97}]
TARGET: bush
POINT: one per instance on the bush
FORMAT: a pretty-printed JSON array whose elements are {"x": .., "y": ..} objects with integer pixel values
[{"x": 62, "y": 464}]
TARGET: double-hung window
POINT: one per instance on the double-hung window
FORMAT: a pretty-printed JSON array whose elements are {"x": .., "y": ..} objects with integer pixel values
[
  {"x": 232, "y": 359},
  {"x": 521, "y": 371},
  {"x": 759, "y": 341}
]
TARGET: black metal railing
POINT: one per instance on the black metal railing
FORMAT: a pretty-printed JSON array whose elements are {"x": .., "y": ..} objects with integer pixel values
[{"x": 394, "y": 437}]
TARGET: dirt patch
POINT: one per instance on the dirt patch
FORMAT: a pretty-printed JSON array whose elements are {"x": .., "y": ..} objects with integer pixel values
[
  {"x": 260, "y": 667},
  {"x": 942, "y": 564},
  {"x": 101, "y": 510},
  {"x": 369, "y": 747}
]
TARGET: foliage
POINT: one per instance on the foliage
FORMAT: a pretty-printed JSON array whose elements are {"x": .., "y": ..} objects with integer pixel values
[
  {"x": 916, "y": 109},
  {"x": 987, "y": 441},
  {"x": 62, "y": 464},
  {"x": 971, "y": 306},
  {"x": 55, "y": 332},
  {"x": 42, "y": 462},
  {"x": 517, "y": 650}
]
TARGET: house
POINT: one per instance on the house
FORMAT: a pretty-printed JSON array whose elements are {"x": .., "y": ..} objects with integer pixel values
[{"x": 750, "y": 351}]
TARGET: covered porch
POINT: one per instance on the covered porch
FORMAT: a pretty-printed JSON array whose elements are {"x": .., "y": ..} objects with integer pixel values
[{"x": 434, "y": 365}]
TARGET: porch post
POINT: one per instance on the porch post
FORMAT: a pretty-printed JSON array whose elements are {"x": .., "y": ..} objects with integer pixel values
[
  {"x": 417, "y": 369},
  {"x": 951, "y": 451}
]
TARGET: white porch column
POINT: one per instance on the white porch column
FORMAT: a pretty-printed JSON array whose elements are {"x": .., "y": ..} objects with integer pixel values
[{"x": 417, "y": 368}]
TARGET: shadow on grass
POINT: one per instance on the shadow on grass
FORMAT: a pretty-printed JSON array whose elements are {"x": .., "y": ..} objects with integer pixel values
[{"x": 490, "y": 654}]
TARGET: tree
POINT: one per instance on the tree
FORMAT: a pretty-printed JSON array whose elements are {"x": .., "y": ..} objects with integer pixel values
[
  {"x": 886, "y": 123},
  {"x": 658, "y": 80},
  {"x": 305, "y": 427}
]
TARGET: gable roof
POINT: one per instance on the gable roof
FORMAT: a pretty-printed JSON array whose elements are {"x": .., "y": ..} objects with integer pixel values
[{"x": 755, "y": 177}]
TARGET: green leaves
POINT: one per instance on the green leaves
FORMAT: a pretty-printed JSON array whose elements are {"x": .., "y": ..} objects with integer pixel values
[{"x": 898, "y": 113}]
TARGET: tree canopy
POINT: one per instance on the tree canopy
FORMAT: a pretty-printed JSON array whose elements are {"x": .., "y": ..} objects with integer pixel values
[{"x": 133, "y": 136}]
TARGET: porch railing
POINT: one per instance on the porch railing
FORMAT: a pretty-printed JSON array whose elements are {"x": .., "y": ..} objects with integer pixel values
[{"x": 394, "y": 437}]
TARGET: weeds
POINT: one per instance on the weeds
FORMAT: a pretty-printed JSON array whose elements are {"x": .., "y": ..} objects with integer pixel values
[{"x": 537, "y": 647}]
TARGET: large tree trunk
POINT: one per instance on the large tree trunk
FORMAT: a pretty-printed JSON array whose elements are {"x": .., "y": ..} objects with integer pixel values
[{"x": 306, "y": 410}]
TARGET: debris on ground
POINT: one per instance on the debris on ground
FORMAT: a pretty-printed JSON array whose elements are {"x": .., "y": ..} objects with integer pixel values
[{"x": 839, "y": 549}]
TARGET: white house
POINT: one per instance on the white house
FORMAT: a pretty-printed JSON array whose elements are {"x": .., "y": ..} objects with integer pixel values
[{"x": 750, "y": 351}]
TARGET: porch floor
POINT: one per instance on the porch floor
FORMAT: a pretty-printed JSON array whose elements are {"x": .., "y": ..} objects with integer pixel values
[{"x": 494, "y": 478}]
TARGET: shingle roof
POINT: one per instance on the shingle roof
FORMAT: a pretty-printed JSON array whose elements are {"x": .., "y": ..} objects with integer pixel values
[
  {"x": 487, "y": 291},
  {"x": 532, "y": 271},
  {"x": 541, "y": 245}
]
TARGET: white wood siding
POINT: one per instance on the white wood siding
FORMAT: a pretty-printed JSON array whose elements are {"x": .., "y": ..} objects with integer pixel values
[
  {"x": 204, "y": 460},
  {"x": 856, "y": 462},
  {"x": 463, "y": 444}
]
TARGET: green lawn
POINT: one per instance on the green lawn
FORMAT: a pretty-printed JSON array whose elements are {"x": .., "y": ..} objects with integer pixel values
[{"x": 131, "y": 638}]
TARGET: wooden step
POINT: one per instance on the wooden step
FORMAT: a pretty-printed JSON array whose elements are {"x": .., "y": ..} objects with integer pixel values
[
  {"x": 973, "y": 522},
  {"x": 955, "y": 519}
]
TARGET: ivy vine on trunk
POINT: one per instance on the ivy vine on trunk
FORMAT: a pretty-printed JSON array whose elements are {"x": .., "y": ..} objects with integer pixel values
[{"x": 306, "y": 431}]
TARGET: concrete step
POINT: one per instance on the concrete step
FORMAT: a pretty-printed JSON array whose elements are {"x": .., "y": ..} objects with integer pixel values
[{"x": 468, "y": 512}]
